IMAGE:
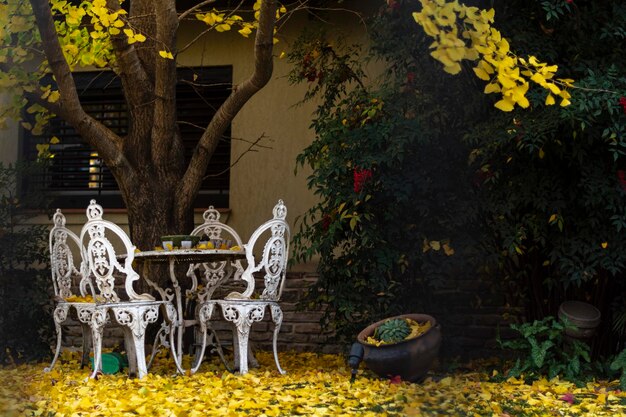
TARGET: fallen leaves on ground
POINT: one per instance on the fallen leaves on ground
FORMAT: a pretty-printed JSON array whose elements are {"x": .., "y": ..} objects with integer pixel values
[{"x": 315, "y": 385}]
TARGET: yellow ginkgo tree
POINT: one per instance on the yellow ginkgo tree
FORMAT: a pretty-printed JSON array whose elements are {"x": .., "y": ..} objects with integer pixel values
[
  {"x": 138, "y": 41},
  {"x": 461, "y": 33}
]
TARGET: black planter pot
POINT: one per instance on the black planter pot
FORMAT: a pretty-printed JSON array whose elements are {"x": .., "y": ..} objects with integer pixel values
[{"x": 410, "y": 359}]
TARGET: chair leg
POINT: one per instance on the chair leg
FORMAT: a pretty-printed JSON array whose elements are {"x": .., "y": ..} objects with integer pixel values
[
  {"x": 220, "y": 352},
  {"x": 59, "y": 316},
  {"x": 235, "y": 349},
  {"x": 178, "y": 364},
  {"x": 252, "y": 362},
  {"x": 131, "y": 353},
  {"x": 159, "y": 340},
  {"x": 242, "y": 316},
  {"x": 86, "y": 330},
  {"x": 204, "y": 317},
  {"x": 136, "y": 319},
  {"x": 97, "y": 329},
  {"x": 277, "y": 318},
  {"x": 140, "y": 352},
  {"x": 85, "y": 315},
  {"x": 170, "y": 316}
]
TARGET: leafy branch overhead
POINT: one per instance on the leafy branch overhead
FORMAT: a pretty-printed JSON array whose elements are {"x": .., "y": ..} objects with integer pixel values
[
  {"x": 43, "y": 42},
  {"x": 466, "y": 33},
  {"x": 86, "y": 33}
]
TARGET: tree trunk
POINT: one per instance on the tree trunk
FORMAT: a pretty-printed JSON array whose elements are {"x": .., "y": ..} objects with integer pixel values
[
  {"x": 148, "y": 165},
  {"x": 153, "y": 210}
]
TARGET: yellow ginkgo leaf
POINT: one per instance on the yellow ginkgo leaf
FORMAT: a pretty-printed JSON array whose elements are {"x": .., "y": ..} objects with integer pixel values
[
  {"x": 505, "y": 104},
  {"x": 481, "y": 73},
  {"x": 166, "y": 55},
  {"x": 222, "y": 27},
  {"x": 550, "y": 100},
  {"x": 492, "y": 88},
  {"x": 245, "y": 31}
]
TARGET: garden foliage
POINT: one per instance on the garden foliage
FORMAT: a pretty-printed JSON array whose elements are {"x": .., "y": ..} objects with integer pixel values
[
  {"x": 389, "y": 172},
  {"x": 25, "y": 325},
  {"x": 419, "y": 164},
  {"x": 545, "y": 350},
  {"x": 550, "y": 179}
]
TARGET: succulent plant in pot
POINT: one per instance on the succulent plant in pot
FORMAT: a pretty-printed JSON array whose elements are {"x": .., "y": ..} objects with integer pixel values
[
  {"x": 393, "y": 331},
  {"x": 405, "y": 346}
]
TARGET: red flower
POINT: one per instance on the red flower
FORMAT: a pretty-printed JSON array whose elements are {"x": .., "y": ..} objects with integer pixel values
[
  {"x": 622, "y": 102},
  {"x": 621, "y": 176},
  {"x": 570, "y": 1},
  {"x": 569, "y": 397},
  {"x": 360, "y": 176},
  {"x": 325, "y": 222}
]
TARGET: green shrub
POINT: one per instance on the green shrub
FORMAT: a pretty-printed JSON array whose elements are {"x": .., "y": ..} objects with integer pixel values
[
  {"x": 25, "y": 316},
  {"x": 544, "y": 350},
  {"x": 618, "y": 364},
  {"x": 551, "y": 180},
  {"x": 393, "y": 208}
]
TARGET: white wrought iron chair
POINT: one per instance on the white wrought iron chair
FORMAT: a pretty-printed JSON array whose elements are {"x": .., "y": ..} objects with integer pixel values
[
  {"x": 64, "y": 245},
  {"x": 242, "y": 312},
  {"x": 212, "y": 275},
  {"x": 132, "y": 311}
]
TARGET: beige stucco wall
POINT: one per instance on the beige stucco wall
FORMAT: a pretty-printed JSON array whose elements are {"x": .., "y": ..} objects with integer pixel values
[{"x": 261, "y": 177}]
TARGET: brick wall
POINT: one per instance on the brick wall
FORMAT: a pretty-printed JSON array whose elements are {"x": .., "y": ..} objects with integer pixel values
[{"x": 469, "y": 313}]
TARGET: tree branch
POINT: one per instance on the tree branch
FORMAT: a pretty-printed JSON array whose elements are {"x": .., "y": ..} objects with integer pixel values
[
  {"x": 263, "y": 67},
  {"x": 167, "y": 147},
  {"x": 137, "y": 87},
  {"x": 204, "y": 32},
  {"x": 250, "y": 149},
  {"x": 130, "y": 69},
  {"x": 69, "y": 107},
  {"x": 196, "y": 7}
]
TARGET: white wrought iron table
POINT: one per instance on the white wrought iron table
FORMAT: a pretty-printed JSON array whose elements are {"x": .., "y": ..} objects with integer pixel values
[{"x": 212, "y": 257}]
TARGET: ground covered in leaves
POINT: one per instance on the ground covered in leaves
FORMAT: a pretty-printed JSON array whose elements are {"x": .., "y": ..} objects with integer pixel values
[{"x": 315, "y": 385}]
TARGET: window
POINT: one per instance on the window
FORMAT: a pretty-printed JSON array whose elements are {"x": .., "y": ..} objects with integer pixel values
[{"x": 76, "y": 174}]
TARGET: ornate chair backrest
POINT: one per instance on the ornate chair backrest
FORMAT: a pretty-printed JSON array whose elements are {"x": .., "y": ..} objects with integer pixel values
[
  {"x": 63, "y": 262},
  {"x": 273, "y": 260},
  {"x": 213, "y": 273},
  {"x": 101, "y": 257},
  {"x": 213, "y": 229}
]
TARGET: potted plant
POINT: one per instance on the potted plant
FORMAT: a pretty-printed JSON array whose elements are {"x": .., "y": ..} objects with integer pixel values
[{"x": 405, "y": 346}]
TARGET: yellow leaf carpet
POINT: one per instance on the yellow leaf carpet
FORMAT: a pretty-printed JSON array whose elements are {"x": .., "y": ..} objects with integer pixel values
[{"x": 315, "y": 385}]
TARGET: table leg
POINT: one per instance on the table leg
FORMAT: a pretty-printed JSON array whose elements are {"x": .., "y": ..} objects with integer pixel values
[{"x": 179, "y": 310}]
